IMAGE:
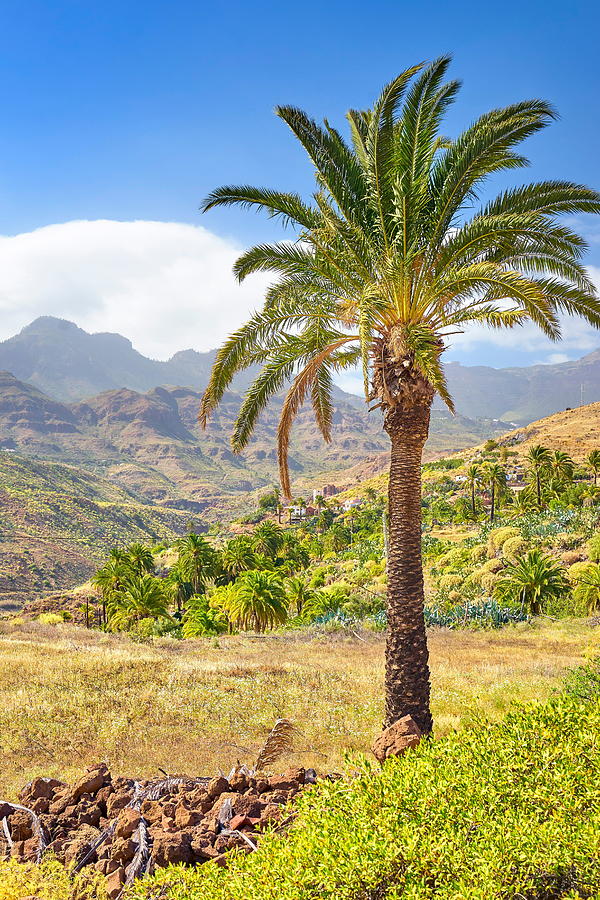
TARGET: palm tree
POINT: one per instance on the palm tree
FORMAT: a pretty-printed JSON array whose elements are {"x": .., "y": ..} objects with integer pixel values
[
  {"x": 593, "y": 461},
  {"x": 587, "y": 589},
  {"x": 299, "y": 593},
  {"x": 237, "y": 556},
  {"x": 258, "y": 601},
  {"x": 539, "y": 459},
  {"x": 198, "y": 561},
  {"x": 267, "y": 539},
  {"x": 533, "y": 580},
  {"x": 473, "y": 477},
  {"x": 140, "y": 558},
  {"x": 178, "y": 588},
  {"x": 562, "y": 467},
  {"x": 391, "y": 255},
  {"x": 495, "y": 477},
  {"x": 141, "y": 598}
]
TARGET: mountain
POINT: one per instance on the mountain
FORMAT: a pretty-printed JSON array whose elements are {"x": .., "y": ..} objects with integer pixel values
[
  {"x": 68, "y": 364},
  {"x": 152, "y": 445},
  {"x": 58, "y": 522},
  {"x": 574, "y": 431},
  {"x": 522, "y": 395}
]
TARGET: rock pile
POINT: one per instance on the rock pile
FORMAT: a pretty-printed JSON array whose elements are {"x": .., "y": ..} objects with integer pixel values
[{"x": 125, "y": 828}]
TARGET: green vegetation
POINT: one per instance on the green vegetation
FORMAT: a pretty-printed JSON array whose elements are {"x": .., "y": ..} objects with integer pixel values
[
  {"x": 505, "y": 810},
  {"x": 328, "y": 568}
]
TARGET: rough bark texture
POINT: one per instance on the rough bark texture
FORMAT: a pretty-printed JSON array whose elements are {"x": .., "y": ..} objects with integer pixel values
[
  {"x": 405, "y": 396},
  {"x": 407, "y": 669}
]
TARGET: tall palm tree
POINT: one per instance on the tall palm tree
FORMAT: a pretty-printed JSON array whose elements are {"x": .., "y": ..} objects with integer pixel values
[
  {"x": 198, "y": 561},
  {"x": 562, "y": 467},
  {"x": 390, "y": 256},
  {"x": 593, "y": 462},
  {"x": 473, "y": 478},
  {"x": 539, "y": 459},
  {"x": 494, "y": 476},
  {"x": 140, "y": 558},
  {"x": 533, "y": 580}
]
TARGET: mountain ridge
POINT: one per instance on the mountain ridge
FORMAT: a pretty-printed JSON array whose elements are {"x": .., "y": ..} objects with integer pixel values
[{"x": 89, "y": 364}]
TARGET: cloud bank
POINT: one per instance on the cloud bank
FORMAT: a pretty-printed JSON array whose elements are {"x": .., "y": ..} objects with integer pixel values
[{"x": 167, "y": 286}]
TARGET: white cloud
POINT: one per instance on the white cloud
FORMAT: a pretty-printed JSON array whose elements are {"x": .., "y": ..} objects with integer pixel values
[{"x": 167, "y": 286}]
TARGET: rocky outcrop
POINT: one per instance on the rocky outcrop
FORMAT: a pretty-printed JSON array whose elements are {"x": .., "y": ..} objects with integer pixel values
[{"x": 123, "y": 828}]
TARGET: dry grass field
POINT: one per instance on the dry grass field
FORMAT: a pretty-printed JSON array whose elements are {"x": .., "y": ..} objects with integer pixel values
[{"x": 69, "y": 697}]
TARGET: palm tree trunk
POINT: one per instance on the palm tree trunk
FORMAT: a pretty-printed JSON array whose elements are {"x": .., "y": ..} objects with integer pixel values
[
  {"x": 493, "y": 508},
  {"x": 407, "y": 669},
  {"x": 473, "y": 496}
]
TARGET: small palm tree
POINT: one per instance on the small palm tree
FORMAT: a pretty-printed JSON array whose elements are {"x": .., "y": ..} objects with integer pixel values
[
  {"x": 533, "y": 580},
  {"x": 494, "y": 475},
  {"x": 539, "y": 459},
  {"x": 198, "y": 561},
  {"x": 178, "y": 588},
  {"x": 473, "y": 479},
  {"x": 299, "y": 593},
  {"x": 587, "y": 588},
  {"x": 593, "y": 461},
  {"x": 391, "y": 255},
  {"x": 267, "y": 539},
  {"x": 238, "y": 556},
  {"x": 258, "y": 601},
  {"x": 140, "y": 558},
  {"x": 523, "y": 501},
  {"x": 142, "y": 598}
]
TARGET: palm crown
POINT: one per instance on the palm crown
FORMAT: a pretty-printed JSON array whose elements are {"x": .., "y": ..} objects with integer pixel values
[{"x": 393, "y": 255}]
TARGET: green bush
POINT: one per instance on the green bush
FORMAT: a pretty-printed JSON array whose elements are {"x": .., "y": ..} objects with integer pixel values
[
  {"x": 507, "y": 810},
  {"x": 50, "y": 618},
  {"x": 499, "y": 536},
  {"x": 513, "y": 548},
  {"x": 593, "y": 548}
]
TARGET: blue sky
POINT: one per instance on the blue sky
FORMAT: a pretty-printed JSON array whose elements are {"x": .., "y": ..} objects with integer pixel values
[{"x": 133, "y": 111}]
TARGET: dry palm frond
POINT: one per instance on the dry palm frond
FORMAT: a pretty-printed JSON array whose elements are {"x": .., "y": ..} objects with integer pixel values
[
  {"x": 36, "y": 825},
  {"x": 279, "y": 741}
]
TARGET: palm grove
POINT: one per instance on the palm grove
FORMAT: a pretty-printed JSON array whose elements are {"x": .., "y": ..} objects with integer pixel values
[{"x": 391, "y": 256}]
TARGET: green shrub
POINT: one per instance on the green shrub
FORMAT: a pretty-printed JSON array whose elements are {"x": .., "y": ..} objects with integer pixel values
[
  {"x": 50, "y": 618},
  {"x": 583, "y": 683},
  {"x": 507, "y": 810},
  {"x": 593, "y": 548},
  {"x": 449, "y": 582},
  {"x": 478, "y": 553},
  {"x": 513, "y": 548},
  {"x": 498, "y": 537}
]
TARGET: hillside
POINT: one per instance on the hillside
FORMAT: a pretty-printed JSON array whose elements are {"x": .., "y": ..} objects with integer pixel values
[
  {"x": 575, "y": 431},
  {"x": 57, "y": 522},
  {"x": 152, "y": 444}
]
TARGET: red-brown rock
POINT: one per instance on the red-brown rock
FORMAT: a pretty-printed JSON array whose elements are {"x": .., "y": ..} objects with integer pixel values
[
  {"x": 128, "y": 821},
  {"x": 169, "y": 849},
  {"x": 397, "y": 739},
  {"x": 92, "y": 781},
  {"x": 115, "y": 882}
]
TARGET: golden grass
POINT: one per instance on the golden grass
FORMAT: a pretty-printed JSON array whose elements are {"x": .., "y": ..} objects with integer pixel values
[{"x": 69, "y": 697}]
